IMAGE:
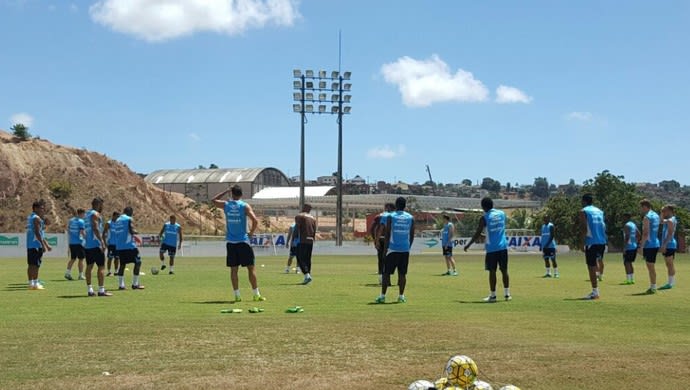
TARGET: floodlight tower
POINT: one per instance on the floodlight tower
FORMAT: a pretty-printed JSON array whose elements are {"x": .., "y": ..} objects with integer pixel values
[{"x": 306, "y": 85}]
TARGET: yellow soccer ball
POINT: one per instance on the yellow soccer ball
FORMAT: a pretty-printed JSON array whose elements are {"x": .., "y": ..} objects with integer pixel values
[{"x": 461, "y": 371}]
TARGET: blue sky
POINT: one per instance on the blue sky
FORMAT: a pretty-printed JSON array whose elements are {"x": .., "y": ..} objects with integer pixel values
[{"x": 508, "y": 90}]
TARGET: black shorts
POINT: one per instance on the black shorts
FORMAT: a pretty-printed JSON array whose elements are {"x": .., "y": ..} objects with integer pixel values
[
  {"x": 399, "y": 260},
  {"x": 169, "y": 248},
  {"x": 76, "y": 251},
  {"x": 549, "y": 253},
  {"x": 34, "y": 256},
  {"x": 629, "y": 256},
  {"x": 239, "y": 254},
  {"x": 112, "y": 252},
  {"x": 293, "y": 251},
  {"x": 670, "y": 253},
  {"x": 448, "y": 251},
  {"x": 304, "y": 253},
  {"x": 594, "y": 253},
  {"x": 95, "y": 256},
  {"x": 498, "y": 259},
  {"x": 129, "y": 256},
  {"x": 649, "y": 254}
]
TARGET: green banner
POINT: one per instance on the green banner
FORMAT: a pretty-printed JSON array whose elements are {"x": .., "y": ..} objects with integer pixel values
[
  {"x": 52, "y": 241},
  {"x": 9, "y": 241}
]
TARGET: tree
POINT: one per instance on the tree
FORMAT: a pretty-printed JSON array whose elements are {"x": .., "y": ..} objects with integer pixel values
[
  {"x": 669, "y": 185},
  {"x": 540, "y": 189},
  {"x": 213, "y": 166},
  {"x": 467, "y": 182},
  {"x": 200, "y": 167},
  {"x": 468, "y": 224},
  {"x": 508, "y": 188},
  {"x": 20, "y": 131},
  {"x": 519, "y": 219},
  {"x": 491, "y": 185}
]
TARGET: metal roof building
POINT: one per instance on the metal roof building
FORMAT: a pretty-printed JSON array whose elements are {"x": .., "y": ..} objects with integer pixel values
[{"x": 203, "y": 184}]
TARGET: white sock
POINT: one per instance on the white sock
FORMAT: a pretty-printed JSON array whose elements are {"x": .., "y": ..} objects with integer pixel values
[
  {"x": 652, "y": 286},
  {"x": 33, "y": 282},
  {"x": 595, "y": 291},
  {"x": 492, "y": 294},
  {"x": 630, "y": 276},
  {"x": 81, "y": 274},
  {"x": 555, "y": 270},
  {"x": 121, "y": 279},
  {"x": 101, "y": 289},
  {"x": 548, "y": 271},
  {"x": 256, "y": 291},
  {"x": 382, "y": 296},
  {"x": 68, "y": 271},
  {"x": 162, "y": 263},
  {"x": 237, "y": 293},
  {"x": 307, "y": 276},
  {"x": 172, "y": 269},
  {"x": 672, "y": 280},
  {"x": 598, "y": 274},
  {"x": 135, "y": 280},
  {"x": 506, "y": 291},
  {"x": 90, "y": 288},
  {"x": 401, "y": 296}
]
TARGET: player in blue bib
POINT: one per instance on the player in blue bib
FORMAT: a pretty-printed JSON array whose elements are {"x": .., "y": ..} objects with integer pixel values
[
  {"x": 36, "y": 243},
  {"x": 669, "y": 244},
  {"x": 291, "y": 244},
  {"x": 126, "y": 246},
  {"x": 496, "y": 246},
  {"x": 631, "y": 236},
  {"x": 447, "y": 234},
  {"x": 548, "y": 247},
  {"x": 399, "y": 233},
  {"x": 593, "y": 230},
  {"x": 171, "y": 242},
  {"x": 650, "y": 241},
  {"x": 75, "y": 240},
  {"x": 94, "y": 246},
  {"x": 377, "y": 234}
]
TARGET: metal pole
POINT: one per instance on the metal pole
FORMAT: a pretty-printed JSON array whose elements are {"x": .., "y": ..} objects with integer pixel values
[
  {"x": 301, "y": 151},
  {"x": 339, "y": 201}
]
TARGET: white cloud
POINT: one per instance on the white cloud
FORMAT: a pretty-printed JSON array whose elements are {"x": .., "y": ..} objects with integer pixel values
[
  {"x": 424, "y": 82},
  {"x": 23, "y": 118},
  {"x": 582, "y": 116},
  {"x": 506, "y": 94},
  {"x": 386, "y": 152},
  {"x": 194, "y": 137},
  {"x": 159, "y": 20}
]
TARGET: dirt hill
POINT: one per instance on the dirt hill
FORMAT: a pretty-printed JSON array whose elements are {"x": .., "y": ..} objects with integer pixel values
[{"x": 68, "y": 178}]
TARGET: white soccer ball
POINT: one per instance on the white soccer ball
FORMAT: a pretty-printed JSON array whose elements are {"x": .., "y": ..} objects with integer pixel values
[
  {"x": 480, "y": 385},
  {"x": 421, "y": 384},
  {"x": 154, "y": 271}
]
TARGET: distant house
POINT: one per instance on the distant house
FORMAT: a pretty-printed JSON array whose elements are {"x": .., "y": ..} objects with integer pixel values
[
  {"x": 357, "y": 180},
  {"x": 327, "y": 180}
]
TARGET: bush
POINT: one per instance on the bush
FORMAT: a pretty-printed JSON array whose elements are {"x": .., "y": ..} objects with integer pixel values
[
  {"x": 20, "y": 131},
  {"x": 60, "y": 189}
]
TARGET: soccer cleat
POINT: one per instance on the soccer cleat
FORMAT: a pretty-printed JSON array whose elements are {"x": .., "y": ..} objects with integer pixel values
[
  {"x": 109, "y": 274},
  {"x": 306, "y": 280},
  {"x": 81, "y": 277},
  {"x": 37, "y": 287},
  {"x": 122, "y": 288},
  {"x": 258, "y": 298},
  {"x": 600, "y": 278},
  {"x": 490, "y": 299},
  {"x": 546, "y": 275},
  {"x": 628, "y": 283},
  {"x": 650, "y": 291},
  {"x": 447, "y": 273},
  {"x": 508, "y": 298},
  {"x": 666, "y": 286},
  {"x": 171, "y": 273},
  {"x": 238, "y": 298},
  {"x": 104, "y": 294},
  {"x": 91, "y": 294},
  {"x": 287, "y": 270},
  {"x": 380, "y": 300},
  {"x": 137, "y": 287},
  {"x": 68, "y": 277},
  {"x": 556, "y": 275},
  {"x": 402, "y": 299},
  {"x": 454, "y": 273},
  {"x": 162, "y": 267},
  {"x": 591, "y": 297}
]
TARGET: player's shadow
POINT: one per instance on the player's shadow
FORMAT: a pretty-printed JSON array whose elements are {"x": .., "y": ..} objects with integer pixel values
[
  {"x": 642, "y": 294},
  {"x": 479, "y": 302},
  {"x": 579, "y": 299},
  {"x": 214, "y": 302},
  {"x": 382, "y": 304},
  {"x": 72, "y": 296}
]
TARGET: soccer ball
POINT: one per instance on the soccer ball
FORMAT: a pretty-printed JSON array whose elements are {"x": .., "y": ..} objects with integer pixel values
[
  {"x": 421, "y": 385},
  {"x": 509, "y": 387},
  {"x": 461, "y": 370},
  {"x": 441, "y": 383},
  {"x": 154, "y": 271},
  {"x": 481, "y": 385}
]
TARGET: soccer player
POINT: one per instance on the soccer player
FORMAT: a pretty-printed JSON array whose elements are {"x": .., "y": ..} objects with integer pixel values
[
  {"x": 94, "y": 248},
  {"x": 127, "y": 249},
  {"x": 292, "y": 244},
  {"x": 447, "y": 244},
  {"x": 399, "y": 235},
  {"x": 75, "y": 234},
  {"x": 650, "y": 239},
  {"x": 108, "y": 231},
  {"x": 239, "y": 252},
  {"x": 306, "y": 228},
  {"x": 593, "y": 230},
  {"x": 669, "y": 244},
  {"x": 36, "y": 243},
  {"x": 496, "y": 247},
  {"x": 631, "y": 236},
  {"x": 171, "y": 241},
  {"x": 548, "y": 247},
  {"x": 377, "y": 233}
]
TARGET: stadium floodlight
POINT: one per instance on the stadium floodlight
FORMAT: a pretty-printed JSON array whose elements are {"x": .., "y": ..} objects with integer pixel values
[
  {"x": 322, "y": 97},
  {"x": 347, "y": 86},
  {"x": 310, "y": 85},
  {"x": 297, "y": 84},
  {"x": 322, "y": 108},
  {"x": 310, "y": 74},
  {"x": 297, "y": 73},
  {"x": 347, "y": 75},
  {"x": 309, "y": 96},
  {"x": 347, "y": 98},
  {"x": 297, "y": 107},
  {"x": 309, "y": 108},
  {"x": 347, "y": 109},
  {"x": 322, "y": 74},
  {"x": 335, "y": 86},
  {"x": 297, "y": 96},
  {"x": 335, "y": 74},
  {"x": 322, "y": 84},
  {"x": 334, "y": 110}
]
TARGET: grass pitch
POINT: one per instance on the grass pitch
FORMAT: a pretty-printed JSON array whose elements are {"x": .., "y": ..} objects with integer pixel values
[{"x": 172, "y": 334}]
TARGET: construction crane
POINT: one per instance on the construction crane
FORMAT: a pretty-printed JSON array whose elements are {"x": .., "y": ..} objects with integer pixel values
[{"x": 433, "y": 185}]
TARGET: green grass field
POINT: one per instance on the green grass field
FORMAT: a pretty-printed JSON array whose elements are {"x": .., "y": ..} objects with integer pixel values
[{"x": 172, "y": 335}]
